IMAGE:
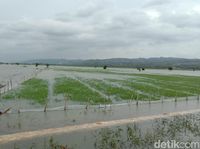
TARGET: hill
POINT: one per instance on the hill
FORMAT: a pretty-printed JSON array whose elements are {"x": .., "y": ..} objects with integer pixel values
[{"x": 158, "y": 63}]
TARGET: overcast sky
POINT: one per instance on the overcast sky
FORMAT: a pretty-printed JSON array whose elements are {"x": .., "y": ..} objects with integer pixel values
[{"x": 84, "y": 29}]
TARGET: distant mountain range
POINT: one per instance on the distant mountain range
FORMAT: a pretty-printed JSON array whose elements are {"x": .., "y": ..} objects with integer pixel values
[{"x": 159, "y": 63}]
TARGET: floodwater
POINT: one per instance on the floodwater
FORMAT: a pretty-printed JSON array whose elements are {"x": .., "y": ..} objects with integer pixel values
[
  {"x": 134, "y": 71},
  {"x": 14, "y": 72},
  {"x": 14, "y": 122},
  {"x": 15, "y": 75},
  {"x": 33, "y": 118},
  {"x": 133, "y": 136}
]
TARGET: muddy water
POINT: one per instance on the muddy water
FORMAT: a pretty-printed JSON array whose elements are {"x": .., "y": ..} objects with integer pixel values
[
  {"x": 16, "y": 73},
  {"x": 11, "y": 123},
  {"x": 133, "y": 136},
  {"x": 157, "y": 71},
  {"x": 11, "y": 76},
  {"x": 133, "y": 70},
  {"x": 77, "y": 140}
]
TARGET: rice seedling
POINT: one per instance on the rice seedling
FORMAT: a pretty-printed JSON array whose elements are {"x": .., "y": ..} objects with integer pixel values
[
  {"x": 77, "y": 90},
  {"x": 33, "y": 89}
]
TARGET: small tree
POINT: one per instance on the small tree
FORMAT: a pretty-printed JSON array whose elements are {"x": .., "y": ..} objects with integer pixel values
[
  {"x": 36, "y": 64},
  {"x": 105, "y": 67},
  {"x": 170, "y": 68},
  {"x": 47, "y": 65}
]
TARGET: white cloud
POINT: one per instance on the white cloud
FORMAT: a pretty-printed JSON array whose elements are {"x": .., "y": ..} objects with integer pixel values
[
  {"x": 153, "y": 14},
  {"x": 196, "y": 9}
]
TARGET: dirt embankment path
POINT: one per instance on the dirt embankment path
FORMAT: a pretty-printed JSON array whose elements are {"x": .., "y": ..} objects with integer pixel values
[{"x": 88, "y": 126}]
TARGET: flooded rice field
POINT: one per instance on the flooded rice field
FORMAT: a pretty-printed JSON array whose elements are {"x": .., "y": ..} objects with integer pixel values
[
  {"x": 15, "y": 122},
  {"x": 134, "y": 135},
  {"x": 16, "y": 73},
  {"x": 55, "y": 97}
]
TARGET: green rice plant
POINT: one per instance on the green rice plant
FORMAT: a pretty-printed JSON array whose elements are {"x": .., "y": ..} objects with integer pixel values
[
  {"x": 116, "y": 91},
  {"x": 160, "y": 87},
  {"x": 32, "y": 89},
  {"x": 184, "y": 81},
  {"x": 170, "y": 88},
  {"x": 77, "y": 91}
]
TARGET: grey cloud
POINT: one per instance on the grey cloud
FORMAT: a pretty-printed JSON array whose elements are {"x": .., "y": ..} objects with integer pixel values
[
  {"x": 182, "y": 20},
  {"x": 90, "y": 10},
  {"x": 119, "y": 31},
  {"x": 97, "y": 30},
  {"x": 152, "y": 3}
]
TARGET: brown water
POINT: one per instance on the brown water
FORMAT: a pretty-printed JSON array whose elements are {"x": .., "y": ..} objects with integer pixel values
[
  {"x": 12, "y": 123},
  {"x": 132, "y": 136}
]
